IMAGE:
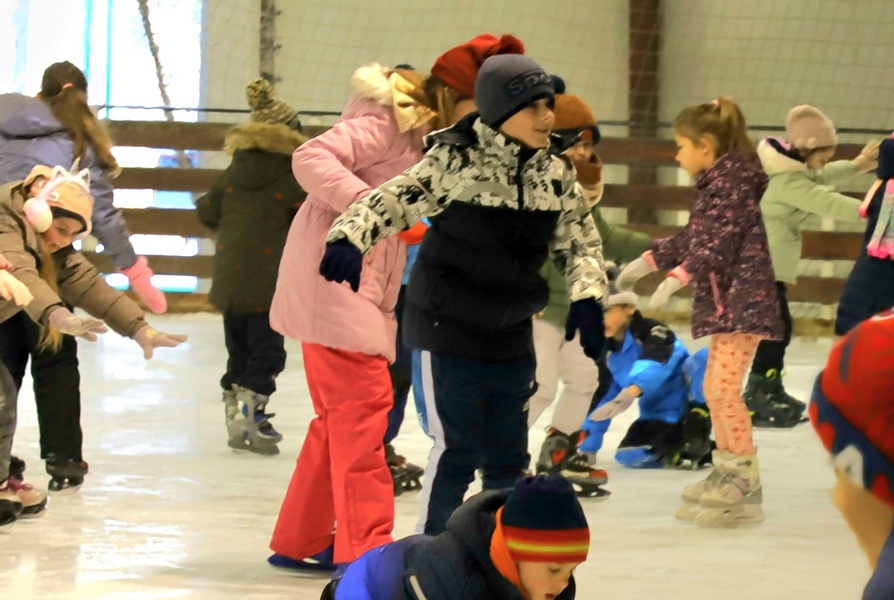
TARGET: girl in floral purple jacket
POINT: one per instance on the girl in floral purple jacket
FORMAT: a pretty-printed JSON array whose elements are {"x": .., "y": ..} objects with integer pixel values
[{"x": 723, "y": 254}]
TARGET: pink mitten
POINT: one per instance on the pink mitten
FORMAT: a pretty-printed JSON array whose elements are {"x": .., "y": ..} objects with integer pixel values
[
  {"x": 5, "y": 264},
  {"x": 140, "y": 276}
]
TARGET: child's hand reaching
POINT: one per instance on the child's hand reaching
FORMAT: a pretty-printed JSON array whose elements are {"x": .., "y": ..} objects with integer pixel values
[
  {"x": 616, "y": 405},
  {"x": 65, "y": 321},
  {"x": 342, "y": 261},
  {"x": 150, "y": 338},
  {"x": 868, "y": 158},
  {"x": 13, "y": 289},
  {"x": 636, "y": 270},
  {"x": 676, "y": 280}
]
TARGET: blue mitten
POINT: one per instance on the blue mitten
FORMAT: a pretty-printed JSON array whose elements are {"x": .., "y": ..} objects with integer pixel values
[
  {"x": 342, "y": 261},
  {"x": 586, "y": 316}
]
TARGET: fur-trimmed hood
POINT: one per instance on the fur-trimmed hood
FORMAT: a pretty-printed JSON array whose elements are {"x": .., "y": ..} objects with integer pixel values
[
  {"x": 774, "y": 160},
  {"x": 276, "y": 138},
  {"x": 370, "y": 82}
]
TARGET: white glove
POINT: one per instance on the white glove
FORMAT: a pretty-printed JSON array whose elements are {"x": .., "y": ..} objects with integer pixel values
[
  {"x": 13, "y": 289},
  {"x": 868, "y": 158},
  {"x": 63, "y": 320},
  {"x": 150, "y": 338},
  {"x": 613, "y": 407},
  {"x": 670, "y": 286},
  {"x": 633, "y": 272}
]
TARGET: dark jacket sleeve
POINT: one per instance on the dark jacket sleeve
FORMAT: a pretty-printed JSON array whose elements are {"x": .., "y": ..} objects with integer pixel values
[
  {"x": 619, "y": 244},
  {"x": 208, "y": 206}
]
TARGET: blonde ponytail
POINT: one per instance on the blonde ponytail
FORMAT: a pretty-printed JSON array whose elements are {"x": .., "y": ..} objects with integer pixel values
[
  {"x": 52, "y": 337},
  {"x": 721, "y": 119}
]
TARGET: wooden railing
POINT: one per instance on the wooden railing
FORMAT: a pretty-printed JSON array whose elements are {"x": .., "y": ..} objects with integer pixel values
[{"x": 818, "y": 245}]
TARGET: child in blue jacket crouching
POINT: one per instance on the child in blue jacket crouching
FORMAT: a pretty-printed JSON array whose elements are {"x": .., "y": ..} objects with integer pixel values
[{"x": 648, "y": 362}]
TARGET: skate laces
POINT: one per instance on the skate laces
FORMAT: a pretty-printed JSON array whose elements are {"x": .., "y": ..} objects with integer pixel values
[{"x": 18, "y": 486}]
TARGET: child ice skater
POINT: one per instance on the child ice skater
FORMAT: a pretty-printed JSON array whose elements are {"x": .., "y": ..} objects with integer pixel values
[
  {"x": 523, "y": 543},
  {"x": 852, "y": 410},
  {"x": 348, "y": 338},
  {"x": 39, "y": 219},
  {"x": 58, "y": 127},
  {"x": 251, "y": 207},
  {"x": 802, "y": 183},
  {"x": 503, "y": 204},
  {"x": 647, "y": 362},
  {"x": 870, "y": 286},
  {"x": 722, "y": 252},
  {"x": 576, "y": 135}
]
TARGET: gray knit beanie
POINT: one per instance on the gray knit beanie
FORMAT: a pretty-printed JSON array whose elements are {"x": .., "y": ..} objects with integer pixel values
[{"x": 506, "y": 84}]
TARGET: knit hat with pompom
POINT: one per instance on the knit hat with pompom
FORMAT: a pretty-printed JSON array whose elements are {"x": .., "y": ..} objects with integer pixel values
[{"x": 266, "y": 108}]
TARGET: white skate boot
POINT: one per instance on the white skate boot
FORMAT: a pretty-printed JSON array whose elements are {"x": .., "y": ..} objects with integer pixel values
[{"x": 736, "y": 499}]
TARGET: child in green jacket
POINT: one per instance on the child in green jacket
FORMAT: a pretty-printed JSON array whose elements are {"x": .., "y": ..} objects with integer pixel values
[{"x": 802, "y": 182}]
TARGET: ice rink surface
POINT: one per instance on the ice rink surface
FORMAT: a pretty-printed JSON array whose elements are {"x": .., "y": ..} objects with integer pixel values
[{"x": 168, "y": 511}]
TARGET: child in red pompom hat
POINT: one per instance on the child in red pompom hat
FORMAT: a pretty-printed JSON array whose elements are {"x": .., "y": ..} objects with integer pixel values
[
  {"x": 853, "y": 413},
  {"x": 458, "y": 67}
]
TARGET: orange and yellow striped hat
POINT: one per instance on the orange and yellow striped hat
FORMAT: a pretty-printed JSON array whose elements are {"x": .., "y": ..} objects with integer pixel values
[{"x": 543, "y": 521}]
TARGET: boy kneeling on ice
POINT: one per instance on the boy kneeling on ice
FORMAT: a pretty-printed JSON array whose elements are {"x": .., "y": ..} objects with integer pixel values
[
  {"x": 499, "y": 545},
  {"x": 647, "y": 361}
]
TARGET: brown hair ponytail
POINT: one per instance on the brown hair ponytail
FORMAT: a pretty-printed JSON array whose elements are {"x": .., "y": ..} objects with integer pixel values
[
  {"x": 721, "y": 119},
  {"x": 64, "y": 89},
  {"x": 52, "y": 337}
]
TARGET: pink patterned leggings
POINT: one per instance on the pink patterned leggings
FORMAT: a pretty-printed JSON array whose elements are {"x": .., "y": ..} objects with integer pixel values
[{"x": 729, "y": 358}]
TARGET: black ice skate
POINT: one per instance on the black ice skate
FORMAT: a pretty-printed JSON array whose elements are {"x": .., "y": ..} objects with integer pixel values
[
  {"x": 696, "y": 445},
  {"x": 769, "y": 404},
  {"x": 66, "y": 474},
  {"x": 406, "y": 475},
  {"x": 559, "y": 456}
]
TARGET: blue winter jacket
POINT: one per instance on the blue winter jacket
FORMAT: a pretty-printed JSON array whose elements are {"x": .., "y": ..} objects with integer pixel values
[
  {"x": 651, "y": 358},
  {"x": 455, "y": 565},
  {"x": 30, "y": 135}
]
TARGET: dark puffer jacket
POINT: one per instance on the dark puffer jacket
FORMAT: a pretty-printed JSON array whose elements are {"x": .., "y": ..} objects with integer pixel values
[
  {"x": 724, "y": 248},
  {"x": 870, "y": 286},
  {"x": 452, "y": 566},
  {"x": 498, "y": 211},
  {"x": 251, "y": 208}
]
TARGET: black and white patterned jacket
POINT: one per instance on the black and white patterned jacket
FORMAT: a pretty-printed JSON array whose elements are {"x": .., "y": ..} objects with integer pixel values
[{"x": 498, "y": 211}]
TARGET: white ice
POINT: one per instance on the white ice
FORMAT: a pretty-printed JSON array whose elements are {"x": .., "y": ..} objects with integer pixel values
[{"x": 168, "y": 511}]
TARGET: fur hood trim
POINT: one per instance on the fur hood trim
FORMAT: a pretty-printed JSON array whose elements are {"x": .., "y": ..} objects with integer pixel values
[
  {"x": 276, "y": 138},
  {"x": 370, "y": 82},
  {"x": 774, "y": 162}
]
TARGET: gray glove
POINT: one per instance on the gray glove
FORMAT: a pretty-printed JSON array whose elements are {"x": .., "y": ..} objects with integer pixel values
[
  {"x": 613, "y": 407},
  {"x": 868, "y": 158},
  {"x": 63, "y": 320},
  {"x": 633, "y": 272}
]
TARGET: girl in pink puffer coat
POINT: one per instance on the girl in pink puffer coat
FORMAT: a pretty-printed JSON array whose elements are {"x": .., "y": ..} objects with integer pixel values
[{"x": 348, "y": 339}]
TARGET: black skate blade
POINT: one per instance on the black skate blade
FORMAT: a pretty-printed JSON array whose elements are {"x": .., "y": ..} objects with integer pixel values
[
  {"x": 64, "y": 488},
  {"x": 598, "y": 494}
]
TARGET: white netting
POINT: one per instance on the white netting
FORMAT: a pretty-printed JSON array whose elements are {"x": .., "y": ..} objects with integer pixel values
[{"x": 768, "y": 55}]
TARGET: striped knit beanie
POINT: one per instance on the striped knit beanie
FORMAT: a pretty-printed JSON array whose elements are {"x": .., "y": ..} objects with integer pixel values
[
  {"x": 853, "y": 405},
  {"x": 543, "y": 521}
]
